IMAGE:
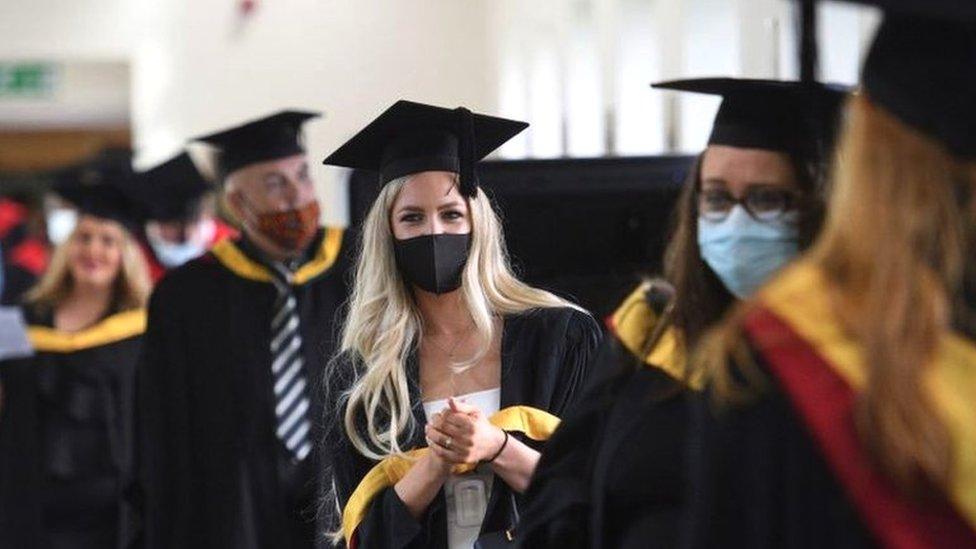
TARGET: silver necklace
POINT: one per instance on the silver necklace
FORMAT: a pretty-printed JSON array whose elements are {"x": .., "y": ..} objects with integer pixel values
[{"x": 450, "y": 352}]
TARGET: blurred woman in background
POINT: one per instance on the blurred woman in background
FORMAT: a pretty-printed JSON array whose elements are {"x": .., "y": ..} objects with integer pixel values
[
  {"x": 612, "y": 475},
  {"x": 67, "y": 410}
]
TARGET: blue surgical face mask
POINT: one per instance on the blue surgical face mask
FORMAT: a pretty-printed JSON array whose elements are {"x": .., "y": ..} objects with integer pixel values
[
  {"x": 745, "y": 252},
  {"x": 174, "y": 254}
]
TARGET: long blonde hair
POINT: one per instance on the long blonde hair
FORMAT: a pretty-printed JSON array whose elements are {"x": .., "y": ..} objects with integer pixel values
[
  {"x": 894, "y": 249},
  {"x": 383, "y": 322},
  {"x": 132, "y": 284}
]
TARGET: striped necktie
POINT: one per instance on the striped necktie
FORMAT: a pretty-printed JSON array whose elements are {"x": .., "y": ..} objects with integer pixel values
[{"x": 288, "y": 369}]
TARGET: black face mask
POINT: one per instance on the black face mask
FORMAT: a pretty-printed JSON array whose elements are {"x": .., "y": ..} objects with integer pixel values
[{"x": 433, "y": 262}]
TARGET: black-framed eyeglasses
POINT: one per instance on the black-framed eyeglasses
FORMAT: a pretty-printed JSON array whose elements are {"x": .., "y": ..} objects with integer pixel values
[{"x": 765, "y": 204}]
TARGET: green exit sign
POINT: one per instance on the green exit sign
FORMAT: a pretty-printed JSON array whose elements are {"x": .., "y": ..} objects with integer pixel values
[{"x": 27, "y": 79}]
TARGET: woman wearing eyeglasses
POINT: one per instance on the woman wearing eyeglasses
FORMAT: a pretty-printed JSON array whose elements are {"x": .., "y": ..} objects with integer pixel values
[{"x": 612, "y": 475}]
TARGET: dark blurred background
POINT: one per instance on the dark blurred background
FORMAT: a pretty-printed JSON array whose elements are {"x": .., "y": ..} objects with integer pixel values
[{"x": 586, "y": 229}]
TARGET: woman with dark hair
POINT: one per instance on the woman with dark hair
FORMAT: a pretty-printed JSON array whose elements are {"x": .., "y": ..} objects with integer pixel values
[
  {"x": 611, "y": 475},
  {"x": 753, "y": 199}
]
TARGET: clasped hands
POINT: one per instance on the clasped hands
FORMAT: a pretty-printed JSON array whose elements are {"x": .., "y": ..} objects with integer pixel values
[{"x": 462, "y": 434}]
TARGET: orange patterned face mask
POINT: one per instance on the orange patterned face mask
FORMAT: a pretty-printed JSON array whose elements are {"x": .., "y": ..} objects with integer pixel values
[{"x": 291, "y": 229}]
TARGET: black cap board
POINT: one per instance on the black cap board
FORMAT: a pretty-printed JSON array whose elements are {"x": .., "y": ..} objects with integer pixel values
[
  {"x": 411, "y": 137},
  {"x": 170, "y": 190},
  {"x": 99, "y": 187},
  {"x": 922, "y": 68},
  {"x": 774, "y": 115},
  {"x": 940, "y": 9},
  {"x": 275, "y": 136}
]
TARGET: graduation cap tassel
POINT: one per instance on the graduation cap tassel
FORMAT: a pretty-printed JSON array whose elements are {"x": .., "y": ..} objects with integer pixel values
[{"x": 466, "y": 140}]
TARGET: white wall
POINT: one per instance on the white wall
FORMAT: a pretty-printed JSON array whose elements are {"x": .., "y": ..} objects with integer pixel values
[
  {"x": 89, "y": 41},
  {"x": 576, "y": 69},
  {"x": 201, "y": 66},
  {"x": 58, "y": 30},
  {"x": 83, "y": 94},
  {"x": 595, "y": 87}
]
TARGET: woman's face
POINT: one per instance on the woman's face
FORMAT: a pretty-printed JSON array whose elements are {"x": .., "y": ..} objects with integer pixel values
[
  {"x": 95, "y": 252},
  {"x": 763, "y": 179},
  {"x": 429, "y": 203}
]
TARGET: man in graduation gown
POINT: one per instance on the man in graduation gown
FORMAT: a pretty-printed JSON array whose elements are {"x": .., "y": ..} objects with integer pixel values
[
  {"x": 181, "y": 224},
  {"x": 236, "y": 343}
]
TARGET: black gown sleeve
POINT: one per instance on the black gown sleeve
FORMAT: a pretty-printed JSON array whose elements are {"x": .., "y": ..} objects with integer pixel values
[
  {"x": 162, "y": 491},
  {"x": 579, "y": 471},
  {"x": 580, "y": 342},
  {"x": 20, "y": 476},
  {"x": 559, "y": 495},
  {"x": 556, "y": 515},
  {"x": 388, "y": 523}
]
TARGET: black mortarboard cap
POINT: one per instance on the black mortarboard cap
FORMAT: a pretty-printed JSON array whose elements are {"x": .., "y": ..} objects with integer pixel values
[
  {"x": 922, "y": 68},
  {"x": 99, "y": 187},
  {"x": 170, "y": 190},
  {"x": 940, "y": 9},
  {"x": 275, "y": 136},
  {"x": 411, "y": 137},
  {"x": 774, "y": 115}
]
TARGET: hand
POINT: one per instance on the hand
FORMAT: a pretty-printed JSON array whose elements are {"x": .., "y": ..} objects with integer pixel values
[
  {"x": 436, "y": 464},
  {"x": 463, "y": 434}
]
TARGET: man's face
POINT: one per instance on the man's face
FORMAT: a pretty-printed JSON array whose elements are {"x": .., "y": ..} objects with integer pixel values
[{"x": 272, "y": 186}]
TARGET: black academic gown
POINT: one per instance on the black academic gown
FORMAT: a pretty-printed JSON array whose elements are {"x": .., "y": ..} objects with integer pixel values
[
  {"x": 545, "y": 356},
  {"x": 613, "y": 473},
  {"x": 786, "y": 467},
  {"x": 756, "y": 479},
  {"x": 211, "y": 473},
  {"x": 64, "y": 431},
  {"x": 641, "y": 465}
]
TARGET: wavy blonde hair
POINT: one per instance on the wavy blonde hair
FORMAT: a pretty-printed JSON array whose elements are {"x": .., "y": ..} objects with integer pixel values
[
  {"x": 894, "y": 282},
  {"x": 383, "y": 323},
  {"x": 132, "y": 284}
]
